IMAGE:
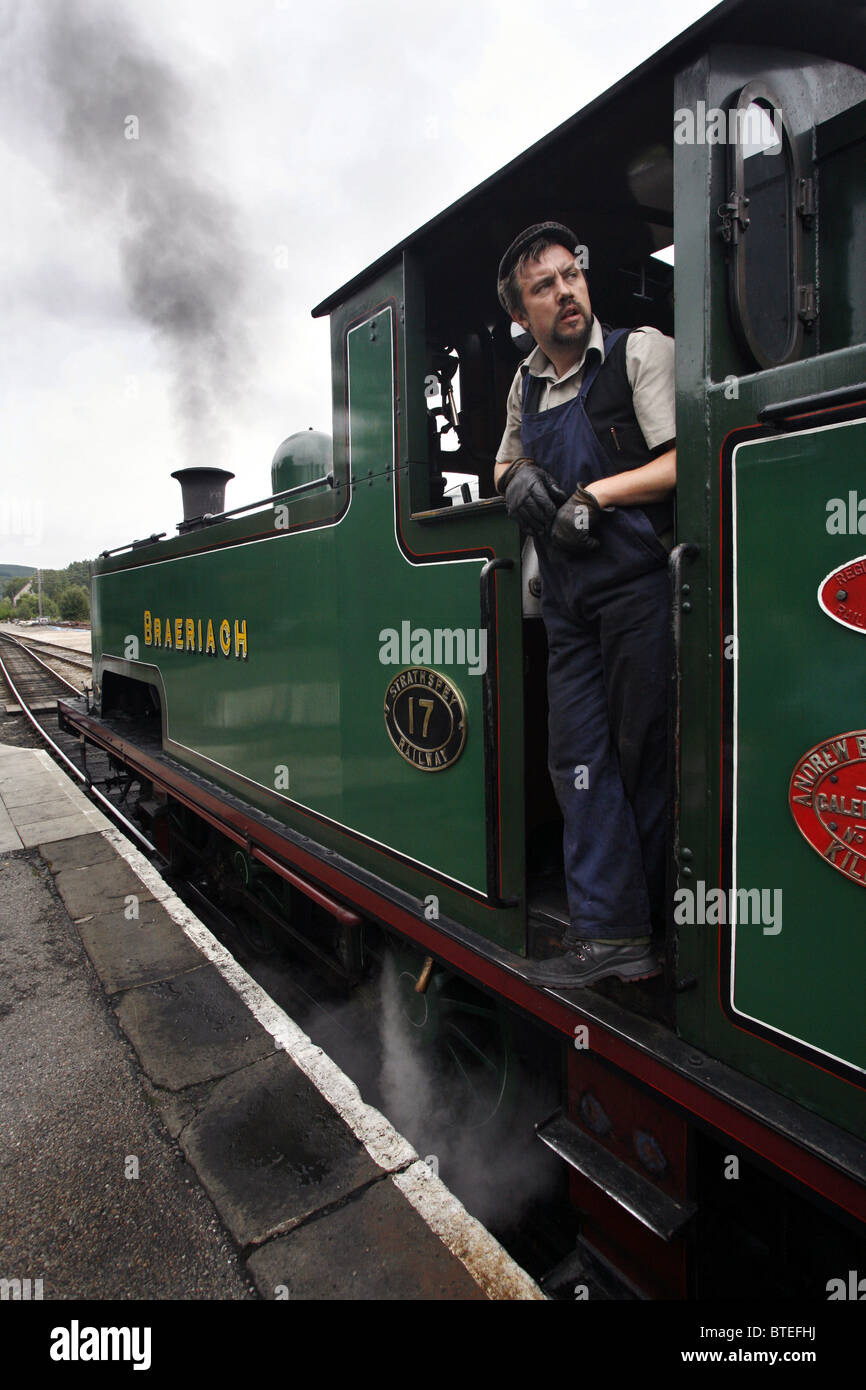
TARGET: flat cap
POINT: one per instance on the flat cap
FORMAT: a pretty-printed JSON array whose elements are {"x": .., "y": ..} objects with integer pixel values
[{"x": 551, "y": 231}]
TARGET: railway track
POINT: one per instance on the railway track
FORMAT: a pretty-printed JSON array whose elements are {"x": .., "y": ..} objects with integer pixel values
[
  {"x": 28, "y": 718},
  {"x": 73, "y": 665},
  {"x": 69, "y": 656},
  {"x": 34, "y": 678}
]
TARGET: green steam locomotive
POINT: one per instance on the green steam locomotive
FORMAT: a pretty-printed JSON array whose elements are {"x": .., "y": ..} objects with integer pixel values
[{"x": 343, "y": 684}]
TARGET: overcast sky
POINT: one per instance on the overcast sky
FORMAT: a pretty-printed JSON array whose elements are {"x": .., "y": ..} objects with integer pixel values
[{"x": 186, "y": 179}]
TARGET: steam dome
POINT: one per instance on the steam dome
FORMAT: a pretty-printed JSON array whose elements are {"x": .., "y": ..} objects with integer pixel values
[{"x": 302, "y": 457}]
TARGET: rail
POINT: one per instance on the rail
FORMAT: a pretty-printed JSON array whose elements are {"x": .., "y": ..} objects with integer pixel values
[
  {"x": 16, "y": 642},
  {"x": 102, "y": 801}
]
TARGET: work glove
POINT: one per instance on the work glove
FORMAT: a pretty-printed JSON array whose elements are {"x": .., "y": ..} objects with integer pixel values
[
  {"x": 578, "y": 522},
  {"x": 532, "y": 496}
]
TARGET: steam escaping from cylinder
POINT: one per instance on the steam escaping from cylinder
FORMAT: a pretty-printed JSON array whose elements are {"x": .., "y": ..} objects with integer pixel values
[
  {"x": 129, "y": 133},
  {"x": 407, "y": 1078},
  {"x": 491, "y": 1161}
]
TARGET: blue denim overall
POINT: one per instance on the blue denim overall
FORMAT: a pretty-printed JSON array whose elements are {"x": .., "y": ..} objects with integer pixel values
[{"x": 607, "y": 616}]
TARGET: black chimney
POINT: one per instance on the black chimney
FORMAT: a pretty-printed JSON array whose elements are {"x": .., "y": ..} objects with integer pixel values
[{"x": 204, "y": 494}]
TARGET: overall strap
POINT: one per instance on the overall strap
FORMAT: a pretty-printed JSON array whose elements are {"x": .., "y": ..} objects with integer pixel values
[
  {"x": 531, "y": 393},
  {"x": 532, "y": 385},
  {"x": 610, "y": 341},
  {"x": 612, "y": 338}
]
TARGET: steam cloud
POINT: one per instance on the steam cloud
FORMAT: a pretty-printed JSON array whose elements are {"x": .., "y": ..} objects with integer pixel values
[
  {"x": 497, "y": 1168},
  {"x": 128, "y": 128}
]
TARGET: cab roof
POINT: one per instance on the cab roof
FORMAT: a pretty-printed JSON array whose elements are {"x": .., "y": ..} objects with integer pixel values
[{"x": 510, "y": 198}]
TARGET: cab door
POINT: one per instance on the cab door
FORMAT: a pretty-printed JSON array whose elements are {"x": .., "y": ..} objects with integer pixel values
[{"x": 770, "y": 892}]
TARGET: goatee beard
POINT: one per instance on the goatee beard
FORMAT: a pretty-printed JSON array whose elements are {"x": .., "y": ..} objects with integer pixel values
[{"x": 570, "y": 341}]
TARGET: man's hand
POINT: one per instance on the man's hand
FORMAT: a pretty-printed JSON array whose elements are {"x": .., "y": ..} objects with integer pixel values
[
  {"x": 532, "y": 496},
  {"x": 578, "y": 522}
]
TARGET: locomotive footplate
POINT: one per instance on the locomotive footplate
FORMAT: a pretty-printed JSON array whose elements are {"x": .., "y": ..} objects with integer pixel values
[{"x": 797, "y": 1145}]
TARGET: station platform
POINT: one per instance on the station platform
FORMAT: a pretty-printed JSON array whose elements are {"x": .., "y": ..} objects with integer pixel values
[
  {"x": 166, "y": 1131},
  {"x": 77, "y": 638}
]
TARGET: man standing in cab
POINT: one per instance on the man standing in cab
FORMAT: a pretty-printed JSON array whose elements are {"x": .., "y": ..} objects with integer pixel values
[{"x": 587, "y": 466}]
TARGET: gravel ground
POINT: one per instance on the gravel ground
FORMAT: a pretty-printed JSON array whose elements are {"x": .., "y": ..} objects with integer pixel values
[{"x": 75, "y": 1126}]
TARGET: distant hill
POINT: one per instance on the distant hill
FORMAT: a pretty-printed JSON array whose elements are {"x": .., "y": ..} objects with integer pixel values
[
  {"x": 65, "y": 593},
  {"x": 14, "y": 572}
]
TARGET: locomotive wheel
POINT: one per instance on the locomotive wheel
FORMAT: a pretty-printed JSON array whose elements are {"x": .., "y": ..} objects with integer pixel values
[
  {"x": 258, "y": 936},
  {"x": 184, "y": 840},
  {"x": 467, "y": 1038}
]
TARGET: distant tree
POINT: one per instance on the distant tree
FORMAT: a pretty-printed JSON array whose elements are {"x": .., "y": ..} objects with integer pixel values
[
  {"x": 55, "y": 581},
  {"x": 27, "y": 607},
  {"x": 74, "y": 604},
  {"x": 52, "y": 582},
  {"x": 80, "y": 572},
  {"x": 77, "y": 575},
  {"x": 6, "y": 610}
]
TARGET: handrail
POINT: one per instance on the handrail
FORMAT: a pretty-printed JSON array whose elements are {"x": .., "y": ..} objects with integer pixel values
[
  {"x": 687, "y": 550},
  {"x": 211, "y": 518},
  {"x": 489, "y": 696},
  {"x": 810, "y": 405}
]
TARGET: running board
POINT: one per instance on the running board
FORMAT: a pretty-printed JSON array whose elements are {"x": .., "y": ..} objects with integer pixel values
[{"x": 660, "y": 1213}]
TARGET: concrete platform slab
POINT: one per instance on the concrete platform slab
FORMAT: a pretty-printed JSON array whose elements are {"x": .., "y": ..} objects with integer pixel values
[
  {"x": 22, "y": 789},
  {"x": 375, "y": 1246},
  {"x": 271, "y": 1151},
  {"x": 9, "y": 837},
  {"x": 30, "y": 812},
  {"x": 43, "y": 803},
  {"x": 177, "y": 1108},
  {"x": 191, "y": 1028},
  {"x": 76, "y": 823},
  {"x": 84, "y": 850},
  {"x": 13, "y": 758},
  {"x": 103, "y": 886},
  {"x": 130, "y": 952}
]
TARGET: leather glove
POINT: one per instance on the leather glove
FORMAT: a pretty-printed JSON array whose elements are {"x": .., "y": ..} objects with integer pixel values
[
  {"x": 532, "y": 496},
  {"x": 578, "y": 522}
]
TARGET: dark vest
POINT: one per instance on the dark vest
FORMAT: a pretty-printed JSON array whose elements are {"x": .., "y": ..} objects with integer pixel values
[{"x": 610, "y": 409}]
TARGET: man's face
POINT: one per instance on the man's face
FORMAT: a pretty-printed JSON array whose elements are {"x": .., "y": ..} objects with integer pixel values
[{"x": 557, "y": 311}]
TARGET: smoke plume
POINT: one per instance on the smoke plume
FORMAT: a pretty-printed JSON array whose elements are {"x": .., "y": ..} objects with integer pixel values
[{"x": 132, "y": 134}]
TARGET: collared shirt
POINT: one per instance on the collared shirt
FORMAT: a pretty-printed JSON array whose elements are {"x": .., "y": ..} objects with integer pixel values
[{"x": 649, "y": 360}]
